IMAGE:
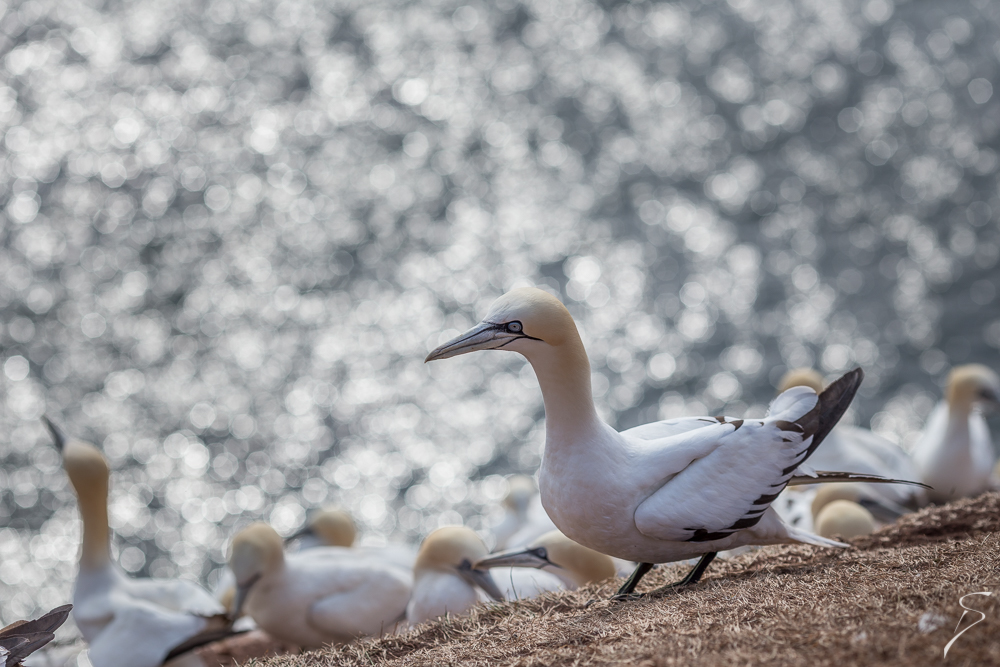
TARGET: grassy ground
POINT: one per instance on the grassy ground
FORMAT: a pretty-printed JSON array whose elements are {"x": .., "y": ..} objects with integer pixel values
[{"x": 891, "y": 599}]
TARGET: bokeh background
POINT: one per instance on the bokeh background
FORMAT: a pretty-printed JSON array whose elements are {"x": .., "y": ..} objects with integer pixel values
[{"x": 232, "y": 229}]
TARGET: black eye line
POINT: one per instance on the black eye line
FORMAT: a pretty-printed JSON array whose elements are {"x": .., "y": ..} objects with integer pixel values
[{"x": 502, "y": 326}]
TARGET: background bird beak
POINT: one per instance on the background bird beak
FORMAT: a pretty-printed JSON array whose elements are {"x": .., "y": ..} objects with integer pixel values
[
  {"x": 480, "y": 579},
  {"x": 242, "y": 590},
  {"x": 483, "y": 336},
  {"x": 512, "y": 558},
  {"x": 301, "y": 533}
]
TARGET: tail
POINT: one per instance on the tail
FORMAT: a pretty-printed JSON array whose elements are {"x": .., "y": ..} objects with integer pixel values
[
  {"x": 23, "y": 638},
  {"x": 824, "y": 477},
  {"x": 805, "y": 537},
  {"x": 831, "y": 405},
  {"x": 57, "y": 435}
]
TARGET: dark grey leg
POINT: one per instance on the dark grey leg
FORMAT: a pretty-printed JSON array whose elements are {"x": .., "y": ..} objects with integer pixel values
[{"x": 626, "y": 590}]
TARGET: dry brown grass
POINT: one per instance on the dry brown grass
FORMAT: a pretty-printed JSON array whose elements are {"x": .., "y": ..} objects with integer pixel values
[{"x": 786, "y": 605}]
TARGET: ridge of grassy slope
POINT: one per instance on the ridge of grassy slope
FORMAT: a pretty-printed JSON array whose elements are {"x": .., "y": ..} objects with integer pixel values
[{"x": 891, "y": 599}]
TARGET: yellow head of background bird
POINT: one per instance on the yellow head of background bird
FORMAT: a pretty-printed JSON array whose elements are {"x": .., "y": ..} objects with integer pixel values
[
  {"x": 453, "y": 550},
  {"x": 256, "y": 550},
  {"x": 973, "y": 383}
]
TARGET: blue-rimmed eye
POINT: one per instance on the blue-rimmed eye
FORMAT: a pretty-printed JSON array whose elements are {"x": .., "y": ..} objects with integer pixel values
[
  {"x": 514, "y": 327},
  {"x": 542, "y": 553}
]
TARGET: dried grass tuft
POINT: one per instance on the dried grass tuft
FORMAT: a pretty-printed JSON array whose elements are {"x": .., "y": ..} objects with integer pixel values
[{"x": 891, "y": 599}]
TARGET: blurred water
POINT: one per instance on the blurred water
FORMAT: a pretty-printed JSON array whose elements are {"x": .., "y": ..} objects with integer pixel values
[{"x": 232, "y": 230}]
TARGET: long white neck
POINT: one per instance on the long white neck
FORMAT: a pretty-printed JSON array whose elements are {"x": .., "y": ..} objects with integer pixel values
[{"x": 563, "y": 373}]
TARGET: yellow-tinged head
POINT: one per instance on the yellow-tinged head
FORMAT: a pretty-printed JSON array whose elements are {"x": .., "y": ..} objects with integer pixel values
[
  {"x": 256, "y": 550},
  {"x": 827, "y": 493},
  {"x": 845, "y": 519},
  {"x": 973, "y": 383},
  {"x": 86, "y": 467},
  {"x": 334, "y": 527},
  {"x": 521, "y": 320},
  {"x": 453, "y": 550},
  {"x": 801, "y": 377},
  {"x": 559, "y": 554}
]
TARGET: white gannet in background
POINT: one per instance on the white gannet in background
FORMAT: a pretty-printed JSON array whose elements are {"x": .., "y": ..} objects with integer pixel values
[
  {"x": 327, "y": 527},
  {"x": 444, "y": 580},
  {"x": 127, "y": 622},
  {"x": 22, "y": 638},
  {"x": 317, "y": 596},
  {"x": 568, "y": 565},
  {"x": 525, "y": 518},
  {"x": 954, "y": 453},
  {"x": 844, "y": 519},
  {"x": 861, "y": 451},
  {"x": 668, "y": 490}
]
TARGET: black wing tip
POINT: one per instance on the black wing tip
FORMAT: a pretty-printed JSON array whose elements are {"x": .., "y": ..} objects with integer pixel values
[{"x": 56, "y": 432}]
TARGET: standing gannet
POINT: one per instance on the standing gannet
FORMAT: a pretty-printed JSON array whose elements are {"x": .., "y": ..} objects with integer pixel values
[
  {"x": 861, "y": 451},
  {"x": 444, "y": 580},
  {"x": 127, "y": 622},
  {"x": 568, "y": 564},
  {"x": 954, "y": 453},
  {"x": 668, "y": 490},
  {"x": 317, "y": 596}
]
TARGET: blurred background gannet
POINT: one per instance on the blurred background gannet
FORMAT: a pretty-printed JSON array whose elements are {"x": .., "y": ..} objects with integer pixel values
[
  {"x": 568, "y": 565},
  {"x": 844, "y": 519},
  {"x": 317, "y": 596},
  {"x": 127, "y": 622},
  {"x": 445, "y": 581},
  {"x": 524, "y": 518},
  {"x": 327, "y": 527},
  {"x": 954, "y": 454},
  {"x": 664, "y": 491}
]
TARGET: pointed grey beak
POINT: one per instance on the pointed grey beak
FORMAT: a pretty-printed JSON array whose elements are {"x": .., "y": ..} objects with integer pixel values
[
  {"x": 480, "y": 579},
  {"x": 242, "y": 590},
  {"x": 515, "y": 558},
  {"x": 304, "y": 532},
  {"x": 483, "y": 336},
  {"x": 57, "y": 435}
]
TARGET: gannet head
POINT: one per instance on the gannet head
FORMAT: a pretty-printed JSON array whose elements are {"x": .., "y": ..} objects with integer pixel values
[
  {"x": 973, "y": 383},
  {"x": 845, "y": 519},
  {"x": 827, "y": 493},
  {"x": 520, "y": 490},
  {"x": 453, "y": 550},
  {"x": 334, "y": 527},
  {"x": 801, "y": 377},
  {"x": 522, "y": 320},
  {"x": 257, "y": 550},
  {"x": 86, "y": 467},
  {"x": 554, "y": 551}
]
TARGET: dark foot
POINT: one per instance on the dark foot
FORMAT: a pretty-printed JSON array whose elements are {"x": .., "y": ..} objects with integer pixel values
[{"x": 630, "y": 583}]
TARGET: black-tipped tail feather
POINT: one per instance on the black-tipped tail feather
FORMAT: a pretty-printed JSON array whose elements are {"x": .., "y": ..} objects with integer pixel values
[
  {"x": 831, "y": 405},
  {"x": 825, "y": 477}
]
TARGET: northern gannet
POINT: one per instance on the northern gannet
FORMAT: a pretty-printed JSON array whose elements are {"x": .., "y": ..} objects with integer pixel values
[
  {"x": 844, "y": 519},
  {"x": 668, "y": 490},
  {"x": 525, "y": 518},
  {"x": 568, "y": 565},
  {"x": 317, "y": 596},
  {"x": 327, "y": 527},
  {"x": 954, "y": 454},
  {"x": 861, "y": 451},
  {"x": 22, "y": 638},
  {"x": 127, "y": 622},
  {"x": 444, "y": 580}
]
